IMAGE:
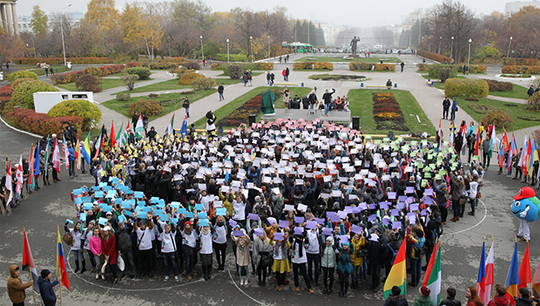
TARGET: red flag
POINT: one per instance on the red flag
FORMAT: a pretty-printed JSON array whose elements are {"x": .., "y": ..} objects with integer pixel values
[
  {"x": 19, "y": 176},
  {"x": 525, "y": 269},
  {"x": 28, "y": 262},
  {"x": 31, "y": 167},
  {"x": 113, "y": 136},
  {"x": 9, "y": 183},
  {"x": 526, "y": 156},
  {"x": 56, "y": 156}
]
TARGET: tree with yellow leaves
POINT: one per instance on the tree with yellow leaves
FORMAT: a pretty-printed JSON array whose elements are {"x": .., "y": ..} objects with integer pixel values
[{"x": 141, "y": 27}]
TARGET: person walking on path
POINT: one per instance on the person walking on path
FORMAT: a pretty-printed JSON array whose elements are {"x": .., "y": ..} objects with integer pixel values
[
  {"x": 220, "y": 91},
  {"x": 47, "y": 73},
  {"x": 186, "y": 106},
  {"x": 287, "y": 72},
  {"x": 16, "y": 287},
  {"x": 46, "y": 288},
  {"x": 402, "y": 66},
  {"x": 454, "y": 110},
  {"x": 530, "y": 92},
  {"x": 284, "y": 74},
  {"x": 51, "y": 70},
  {"x": 327, "y": 98},
  {"x": 446, "y": 107}
]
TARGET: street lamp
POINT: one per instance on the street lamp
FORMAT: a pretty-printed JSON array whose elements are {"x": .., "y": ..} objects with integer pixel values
[
  {"x": 62, "y": 30},
  {"x": 268, "y": 46},
  {"x": 202, "y": 49},
  {"x": 509, "y": 44},
  {"x": 440, "y": 40},
  {"x": 452, "y": 48},
  {"x": 469, "y": 56},
  {"x": 228, "y": 51},
  {"x": 251, "y": 43}
]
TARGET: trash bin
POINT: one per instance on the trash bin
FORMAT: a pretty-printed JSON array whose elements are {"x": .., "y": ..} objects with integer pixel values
[
  {"x": 252, "y": 119},
  {"x": 395, "y": 85},
  {"x": 302, "y": 84},
  {"x": 361, "y": 85},
  {"x": 356, "y": 123},
  {"x": 68, "y": 64}
]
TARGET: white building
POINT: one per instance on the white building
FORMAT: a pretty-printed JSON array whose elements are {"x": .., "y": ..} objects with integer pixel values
[
  {"x": 24, "y": 21},
  {"x": 44, "y": 101},
  {"x": 512, "y": 7}
]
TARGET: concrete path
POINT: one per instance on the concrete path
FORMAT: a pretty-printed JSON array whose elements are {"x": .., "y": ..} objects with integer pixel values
[{"x": 504, "y": 99}]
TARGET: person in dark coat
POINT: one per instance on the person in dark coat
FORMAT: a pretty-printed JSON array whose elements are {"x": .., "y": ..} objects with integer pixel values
[
  {"x": 530, "y": 92},
  {"x": 375, "y": 249},
  {"x": 525, "y": 298},
  {"x": 446, "y": 107},
  {"x": 46, "y": 288},
  {"x": 450, "y": 299},
  {"x": 151, "y": 134},
  {"x": 396, "y": 298}
]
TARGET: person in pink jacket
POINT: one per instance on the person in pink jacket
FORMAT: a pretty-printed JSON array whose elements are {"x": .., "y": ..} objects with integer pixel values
[{"x": 95, "y": 248}]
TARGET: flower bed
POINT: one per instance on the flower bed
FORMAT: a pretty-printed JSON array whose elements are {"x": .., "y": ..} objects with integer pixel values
[
  {"x": 387, "y": 112},
  {"x": 241, "y": 114},
  {"x": 482, "y": 108},
  {"x": 41, "y": 124}
]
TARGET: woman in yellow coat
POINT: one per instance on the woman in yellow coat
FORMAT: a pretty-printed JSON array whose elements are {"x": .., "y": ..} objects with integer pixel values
[
  {"x": 357, "y": 242},
  {"x": 281, "y": 264}
]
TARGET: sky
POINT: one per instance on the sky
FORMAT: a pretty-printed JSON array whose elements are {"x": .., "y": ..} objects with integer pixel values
[{"x": 335, "y": 12}]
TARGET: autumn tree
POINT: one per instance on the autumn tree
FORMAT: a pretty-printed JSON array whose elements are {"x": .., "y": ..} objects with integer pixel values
[
  {"x": 141, "y": 27},
  {"x": 525, "y": 28},
  {"x": 39, "y": 21},
  {"x": 192, "y": 19},
  {"x": 102, "y": 19}
]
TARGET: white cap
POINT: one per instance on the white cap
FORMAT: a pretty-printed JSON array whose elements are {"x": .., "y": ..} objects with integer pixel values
[
  {"x": 107, "y": 228},
  {"x": 53, "y": 135}
]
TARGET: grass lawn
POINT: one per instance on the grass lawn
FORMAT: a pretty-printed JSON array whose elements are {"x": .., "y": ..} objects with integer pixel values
[
  {"x": 226, "y": 81},
  {"x": 253, "y": 73},
  {"x": 106, "y": 84},
  {"x": 513, "y": 111},
  {"x": 165, "y": 85},
  {"x": 120, "y": 106},
  {"x": 361, "y": 105},
  {"x": 519, "y": 92},
  {"x": 225, "y": 110},
  {"x": 342, "y": 60}
]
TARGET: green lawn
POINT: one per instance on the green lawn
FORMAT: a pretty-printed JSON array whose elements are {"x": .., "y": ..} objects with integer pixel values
[
  {"x": 226, "y": 81},
  {"x": 165, "y": 85},
  {"x": 106, "y": 84},
  {"x": 513, "y": 111},
  {"x": 361, "y": 105},
  {"x": 519, "y": 92},
  {"x": 225, "y": 110},
  {"x": 253, "y": 73},
  {"x": 342, "y": 60},
  {"x": 120, "y": 106}
]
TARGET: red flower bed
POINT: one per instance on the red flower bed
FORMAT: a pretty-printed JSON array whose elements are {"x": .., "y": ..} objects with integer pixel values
[
  {"x": 387, "y": 113},
  {"x": 71, "y": 77},
  {"x": 241, "y": 114},
  {"x": 41, "y": 124}
]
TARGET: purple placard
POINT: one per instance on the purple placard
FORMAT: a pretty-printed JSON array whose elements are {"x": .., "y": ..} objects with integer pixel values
[
  {"x": 429, "y": 192},
  {"x": 356, "y": 210},
  {"x": 311, "y": 225},
  {"x": 327, "y": 231},
  {"x": 372, "y": 206},
  {"x": 402, "y": 198},
  {"x": 349, "y": 209},
  {"x": 372, "y": 218},
  {"x": 413, "y": 207},
  {"x": 424, "y": 212},
  {"x": 409, "y": 215},
  {"x": 298, "y": 219},
  {"x": 278, "y": 237},
  {"x": 319, "y": 221},
  {"x": 385, "y": 221},
  {"x": 342, "y": 214},
  {"x": 298, "y": 230},
  {"x": 384, "y": 205},
  {"x": 392, "y": 195},
  {"x": 401, "y": 205},
  {"x": 428, "y": 201},
  {"x": 259, "y": 232},
  {"x": 253, "y": 217},
  {"x": 394, "y": 212},
  {"x": 238, "y": 233},
  {"x": 232, "y": 223},
  {"x": 409, "y": 190},
  {"x": 410, "y": 200},
  {"x": 396, "y": 225},
  {"x": 363, "y": 206},
  {"x": 357, "y": 229},
  {"x": 330, "y": 214},
  {"x": 334, "y": 218},
  {"x": 344, "y": 238},
  {"x": 283, "y": 223}
]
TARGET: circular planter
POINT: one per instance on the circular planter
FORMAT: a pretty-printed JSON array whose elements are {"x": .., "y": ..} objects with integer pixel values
[{"x": 516, "y": 79}]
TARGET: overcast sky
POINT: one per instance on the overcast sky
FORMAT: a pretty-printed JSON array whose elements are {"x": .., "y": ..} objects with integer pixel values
[{"x": 337, "y": 12}]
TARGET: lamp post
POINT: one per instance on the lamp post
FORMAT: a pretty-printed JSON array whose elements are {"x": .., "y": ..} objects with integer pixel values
[
  {"x": 509, "y": 44},
  {"x": 62, "y": 30},
  {"x": 440, "y": 40},
  {"x": 469, "y": 56},
  {"x": 202, "y": 48},
  {"x": 452, "y": 48},
  {"x": 228, "y": 51},
  {"x": 268, "y": 46},
  {"x": 251, "y": 44}
]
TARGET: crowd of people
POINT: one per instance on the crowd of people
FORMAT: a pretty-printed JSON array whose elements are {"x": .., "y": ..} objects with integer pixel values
[
  {"x": 285, "y": 198},
  {"x": 311, "y": 103}
]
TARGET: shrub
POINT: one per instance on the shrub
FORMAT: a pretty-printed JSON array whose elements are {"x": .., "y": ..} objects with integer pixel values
[
  {"x": 158, "y": 65},
  {"x": 422, "y": 67},
  {"x": 499, "y": 118},
  {"x": 18, "y": 82},
  {"x": 22, "y": 74},
  {"x": 522, "y": 62},
  {"x": 95, "y": 71},
  {"x": 41, "y": 124},
  {"x": 123, "y": 96},
  {"x": 153, "y": 96},
  {"x": 315, "y": 65},
  {"x": 385, "y": 67},
  {"x": 23, "y": 96},
  {"x": 192, "y": 65},
  {"x": 88, "y": 82},
  {"x": 434, "y": 70},
  {"x": 203, "y": 83},
  {"x": 534, "y": 102},
  {"x": 143, "y": 73},
  {"x": 188, "y": 78},
  {"x": 234, "y": 71},
  {"x": 263, "y": 66},
  {"x": 232, "y": 57},
  {"x": 146, "y": 106},
  {"x": 216, "y": 66},
  {"x": 499, "y": 86},
  {"x": 360, "y": 66},
  {"x": 481, "y": 108},
  {"x": 133, "y": 64},
  {"x": 434, "y": 56},
  {"x": 520, "y": 70},
  {"x": 444, "y": 74},
  {"x": 129, "y": 80},
  {"x": 71, "y": 77},
  {"x": 88, "y": 111},
  {"x": 473, "y": 68},
  {"x": 536, "y": 135},
  {"x": 466, "y": 88}
]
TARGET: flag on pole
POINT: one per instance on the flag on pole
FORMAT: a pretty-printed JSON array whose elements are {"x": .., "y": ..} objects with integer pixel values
[
  {"x": 37, "y": 169},
  {"x": 31, "y": 168},
  {"x": 46, "y": 158},
  {"x": 119, "y": 135},
  {"x": 56, "y": 156},
  {"x": 123, "y": 140},
  {"x": 503, "y": 148},
  {"x": 183, "y": 130},
  {"x": 464, "y": 141},
  {"x": 112, "y": 140},
  {"x": 61, "y": 262},
  {"x": 512, "y": 278},
  {"x": 97, "y": 145},
  {"x": 85, "y": 150},
  {"x": 66, "y": 151},
  {"x": 526, "y": 158},
  {"x": 78, "y": 153},
  {"x": 536, "y": 280},
  {"x": 170, "y": 127},
  {"x": 9, "y": 183},
  {"x": 523, "y": 152},
  {"x": 19, "y": 177},
  {"x": 452, "y": 135},
  {"x": 433, "y": 275},
  {"x": 139, "y": 128},
  {"x": 28, "y": 262},
  {"x": 533, "y": 156},
  {"x": 525, "y": 269},
  {"x": 439, "y": 132},
  {"x": 513, "y": 151},
  {"x": 487, "y": 281},
  {"x": 492, "y": 141},
  {"x": 398, "y": 272},
  {"x": 477, "y": 142}
]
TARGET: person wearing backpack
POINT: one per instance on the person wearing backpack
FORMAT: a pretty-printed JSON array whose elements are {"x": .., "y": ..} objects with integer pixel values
[
  {"x": 500, "y": 299},
  {"x": 394, "y": 243},
  {"x": 417, "y": 241}
]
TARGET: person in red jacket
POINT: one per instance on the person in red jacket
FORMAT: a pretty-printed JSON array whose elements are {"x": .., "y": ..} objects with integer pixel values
[
  {"x": 108, "y": 247},
  {"x": 500, "y": 299}
]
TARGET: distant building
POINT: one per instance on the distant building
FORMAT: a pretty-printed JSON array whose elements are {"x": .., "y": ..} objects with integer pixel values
[
  {"x": 25, "y": 25},
  {"x": 8, "y": 16},
  {"x": 512, "y": 7}
]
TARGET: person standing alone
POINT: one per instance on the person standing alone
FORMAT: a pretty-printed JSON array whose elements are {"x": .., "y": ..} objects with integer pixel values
[
  {"x": 446, "y": 107},
  {"x": 220, "y": 91}
]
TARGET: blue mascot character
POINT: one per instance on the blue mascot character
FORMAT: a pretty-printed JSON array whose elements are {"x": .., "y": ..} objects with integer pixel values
[{"x": 526, "y": 207}]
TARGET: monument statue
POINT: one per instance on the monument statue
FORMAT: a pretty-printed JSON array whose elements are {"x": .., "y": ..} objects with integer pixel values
[{"x": 354, "y": 43}]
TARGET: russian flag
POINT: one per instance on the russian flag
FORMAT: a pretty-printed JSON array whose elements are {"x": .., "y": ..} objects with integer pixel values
[
  {"x": 486, "y": 275},
  {"x": 61, "y": 262}
]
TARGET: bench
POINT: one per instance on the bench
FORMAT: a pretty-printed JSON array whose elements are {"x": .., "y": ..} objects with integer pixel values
[
  {"x": 429, "y": 82},
  {"x": 285, "y": 84},
  {"x": 378, "y": 86}
]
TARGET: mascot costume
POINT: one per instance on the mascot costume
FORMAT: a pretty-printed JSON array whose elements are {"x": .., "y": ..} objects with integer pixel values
[{"x": 526, "y": 207}]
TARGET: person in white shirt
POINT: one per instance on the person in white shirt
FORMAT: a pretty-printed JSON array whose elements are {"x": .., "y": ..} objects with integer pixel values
[
  {"x": 239, "y": 211},
  {"x": 313, "y": 255},
  {"x": 168, "y": 249},
  {"x": 144, "y": 243},
  {"x": 189, "y": 242},
  {"x": 472, "y": 192},
  {"x": 206, "y": 251},
  {"x": 220, "y": 241},
  {"x": 78, "y": 238}
]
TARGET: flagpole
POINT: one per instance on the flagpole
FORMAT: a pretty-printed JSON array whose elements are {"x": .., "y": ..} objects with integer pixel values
[
  {"x": 31, "y": 277},
  {"x": 60, "y": 284},
  {"x": 492, "y": 287}
]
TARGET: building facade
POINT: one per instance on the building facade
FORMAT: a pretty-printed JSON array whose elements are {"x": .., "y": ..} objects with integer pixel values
[{"x": 8, "y": 16}]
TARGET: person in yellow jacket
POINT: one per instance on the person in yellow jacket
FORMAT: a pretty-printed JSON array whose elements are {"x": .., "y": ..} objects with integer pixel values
[
  {"x": 357, "y": 242},
  {"x": 15, "y": 287},
  {"x": 227, "y": 203}
]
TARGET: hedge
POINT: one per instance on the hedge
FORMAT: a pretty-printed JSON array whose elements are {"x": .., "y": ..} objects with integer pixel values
[
  {"x": 217, "y": 66},
  {"x": 245, "y": 67},
  {"x": 466, "y": 88},
  {"x": 521, "y": 70},
  {"x": 41, "y": 124},
  {"x": 232, "y": 57},
  {"x": 434, "y": 56},
  {"x": 434, "y": 70},
  {"x": 23, "y": 97},
  {"x": 87, "y": 111},
  {"x": 188, "y": 78},
  {"x": 355, "y": 66},
  {"x": 522, "y": 62},
  {"x": 23, "y": 74},
  {"x": 71, "y": 77},
  {"x": 154, "y": 66},
  {"x": 5, "y": 96},
  {"x": 499, "y": 86},
  {"x": 56, "y": 60},
  {"x": 317, "y": 66},
  {"x": 142, "y": 72}
]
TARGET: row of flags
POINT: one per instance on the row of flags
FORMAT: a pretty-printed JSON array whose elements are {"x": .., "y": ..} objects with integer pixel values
[{"x": 519, "y": 276}]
